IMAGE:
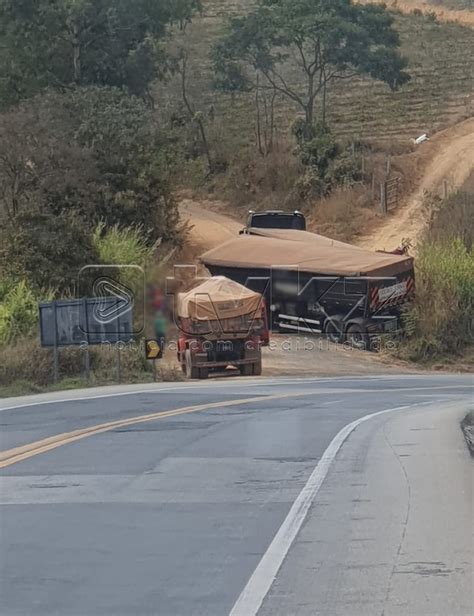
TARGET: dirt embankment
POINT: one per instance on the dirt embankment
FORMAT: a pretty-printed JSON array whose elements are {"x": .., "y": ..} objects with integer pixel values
[
  {"x": 443, "y": 13},
  {"x": 448, "y": 157}
]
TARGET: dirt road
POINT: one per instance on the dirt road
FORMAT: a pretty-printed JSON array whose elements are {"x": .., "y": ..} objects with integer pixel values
[
  {"x": 211, "y": 226},
  {"x": 449, "y": 156},
  {"x": 443, "y": 13}
]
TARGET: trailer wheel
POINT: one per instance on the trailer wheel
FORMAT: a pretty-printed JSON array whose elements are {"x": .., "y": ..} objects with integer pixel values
[
  {"x": 246, "y": 369},
  {"x": 334, "y": 329},
  {"x": 191, "y": 371},
  {"x": 257, "y": 368},
  {"x": 358, "y": 337}
]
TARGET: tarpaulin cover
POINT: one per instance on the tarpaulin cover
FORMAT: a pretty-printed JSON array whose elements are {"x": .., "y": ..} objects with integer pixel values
[
  {"x": 218, "y": 298},
  {"x": 308, "y": 252}
]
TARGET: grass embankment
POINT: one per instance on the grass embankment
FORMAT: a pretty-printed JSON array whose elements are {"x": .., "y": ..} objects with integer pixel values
[
  {"x": 26, "y": 368},
  {"x": 439, "y": 325}
]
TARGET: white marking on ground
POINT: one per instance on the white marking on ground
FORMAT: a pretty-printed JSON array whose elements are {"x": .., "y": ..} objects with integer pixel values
[{"x": 252, "y": 596}]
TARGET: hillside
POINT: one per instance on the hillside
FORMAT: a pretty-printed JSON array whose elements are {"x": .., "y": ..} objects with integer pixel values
[{"x": 439, "y": 94}]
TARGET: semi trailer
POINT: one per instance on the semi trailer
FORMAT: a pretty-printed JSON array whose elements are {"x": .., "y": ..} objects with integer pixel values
[{"x": 313, "y": 284}]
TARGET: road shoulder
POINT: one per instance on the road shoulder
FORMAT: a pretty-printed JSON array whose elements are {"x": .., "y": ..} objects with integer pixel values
[{"x": 391, "y": 529}]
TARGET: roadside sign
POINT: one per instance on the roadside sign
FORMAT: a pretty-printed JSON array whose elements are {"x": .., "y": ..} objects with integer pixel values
[
  {"x": 153, "y": 349},
  {"x": 90, "y": 321}
]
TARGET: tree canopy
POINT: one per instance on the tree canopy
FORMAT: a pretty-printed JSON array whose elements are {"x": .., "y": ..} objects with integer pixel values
[
  {"x": 327, "y": 39},
  {"x": 57, "y": 43}
]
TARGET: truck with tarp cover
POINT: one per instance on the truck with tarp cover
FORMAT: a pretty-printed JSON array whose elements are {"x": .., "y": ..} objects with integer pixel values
[
  {"x": 221, "y": 323},
  {"x": 313, "y": 284}
]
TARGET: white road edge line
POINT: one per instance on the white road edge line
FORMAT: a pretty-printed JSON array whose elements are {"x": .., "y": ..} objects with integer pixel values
[{"x": 260, "y": 582}]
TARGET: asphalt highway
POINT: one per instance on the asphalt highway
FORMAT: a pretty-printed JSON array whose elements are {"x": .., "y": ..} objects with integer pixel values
[{"x": 344, "y": 496}]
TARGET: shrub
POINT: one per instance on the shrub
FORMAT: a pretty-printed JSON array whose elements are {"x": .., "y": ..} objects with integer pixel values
[
  {"x": 327, "y": 163},
  {"x": 439, "y": 322},
  {"x": 18, "y": 310},
  {"x": 46, "y": 250},
  {"x": 127, "y": 246}
]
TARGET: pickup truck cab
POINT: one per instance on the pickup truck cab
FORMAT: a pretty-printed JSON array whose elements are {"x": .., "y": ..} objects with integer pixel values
[{"x": 275, "y": 219}]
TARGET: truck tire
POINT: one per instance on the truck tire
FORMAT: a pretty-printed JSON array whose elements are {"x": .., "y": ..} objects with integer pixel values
[
  {"x": 358, "y": 337},
  {"x": 257, "y": 368},
  {"x": 191, "y": 371},
  {"x": 246, "y": 369},
  {"x": 334, "y": 329},
  {"x": 203, "y": 373}
]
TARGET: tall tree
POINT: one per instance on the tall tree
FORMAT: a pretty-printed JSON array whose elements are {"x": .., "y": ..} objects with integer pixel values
[
  {"x": 328, "y": 39},
  {"x": 104, "y": 42}
]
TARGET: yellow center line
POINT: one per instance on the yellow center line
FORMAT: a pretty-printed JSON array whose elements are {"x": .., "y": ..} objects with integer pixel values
[
  {"x": 17, "y": 454},
  {"x": 9, "y": 457}
]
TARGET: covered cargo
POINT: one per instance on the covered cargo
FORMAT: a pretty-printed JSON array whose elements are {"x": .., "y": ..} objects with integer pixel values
[
  {"x": 222, "y": 323},
  {"x": 315, "y": 254},
  {"x": 218, "y": 298},
  {"x": 316, "y": 284}
]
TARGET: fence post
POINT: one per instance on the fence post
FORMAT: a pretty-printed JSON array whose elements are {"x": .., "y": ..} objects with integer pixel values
[
  {"x": 87, "y": 363},
  {"x": 119, "y": 371},
  {"x": 55, "y": 349},
  {"x": 383, "y": 198},
  {"x": 389, "y": 165},
  {"x": 445, "y": 189}
]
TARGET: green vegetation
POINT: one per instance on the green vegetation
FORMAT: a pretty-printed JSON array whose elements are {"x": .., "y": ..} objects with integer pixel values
[
  {"x": 84, "y": 42},
  {"x": 18, "y": 310},
  {"x": 118, "y": 246},
  {"x": 439, "y": 324}
]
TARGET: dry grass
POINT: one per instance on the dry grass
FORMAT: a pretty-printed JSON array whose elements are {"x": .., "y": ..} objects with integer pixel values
[
  {"x": 344, "y": 214},
  {"x": 439, "y": 94},
  {"x": 259, "y": 182},
  {"x": 26, "y": 367},
  {"x": 445, "y": 10}
]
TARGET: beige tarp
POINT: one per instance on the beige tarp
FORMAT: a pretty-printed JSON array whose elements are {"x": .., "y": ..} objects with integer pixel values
[
  {"x": 218, "y": 298},
  {"x": 299, "y": 236},
  {"x": 308, "y": 252}
]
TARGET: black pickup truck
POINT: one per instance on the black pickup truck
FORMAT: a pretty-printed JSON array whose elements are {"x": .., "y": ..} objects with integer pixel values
[{"x": 274, "y": 219}]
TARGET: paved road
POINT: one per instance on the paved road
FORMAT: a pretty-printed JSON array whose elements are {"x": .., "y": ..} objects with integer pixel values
[{"x": 276, "y": 496}]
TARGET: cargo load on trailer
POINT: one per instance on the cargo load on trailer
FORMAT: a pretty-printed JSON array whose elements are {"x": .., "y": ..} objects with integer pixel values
[
  {"x": 222, "y": 323},
  {"x": 315, "y": 284}
]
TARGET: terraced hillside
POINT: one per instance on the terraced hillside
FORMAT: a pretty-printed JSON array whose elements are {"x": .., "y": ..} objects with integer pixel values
[{"x": 440, "y": 92}]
